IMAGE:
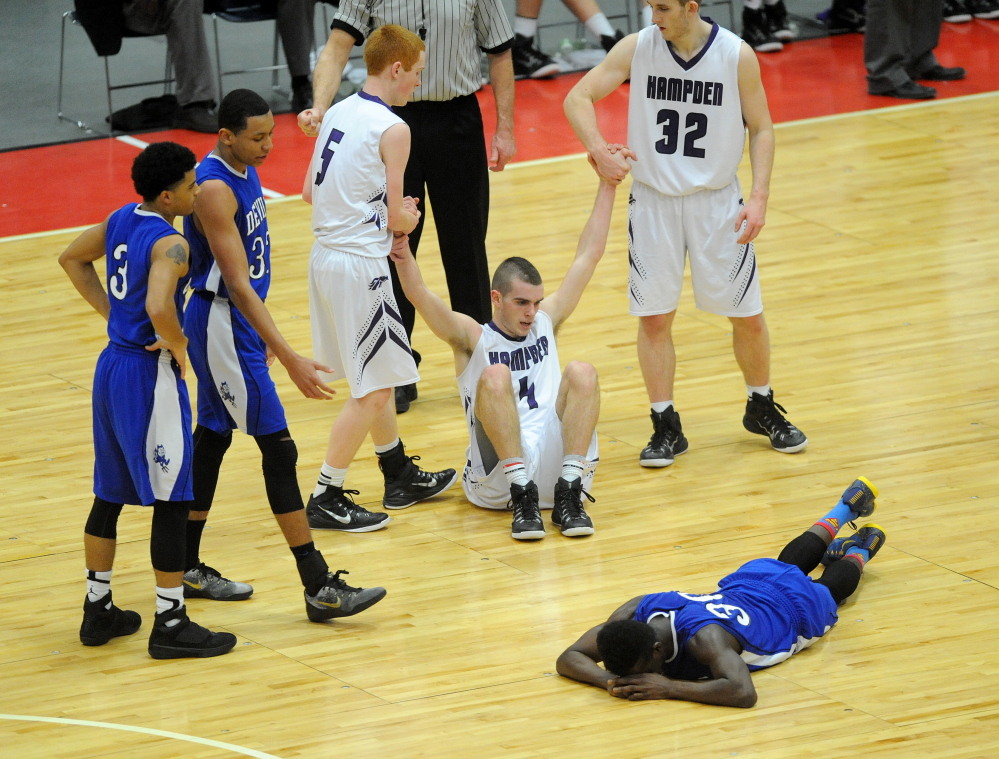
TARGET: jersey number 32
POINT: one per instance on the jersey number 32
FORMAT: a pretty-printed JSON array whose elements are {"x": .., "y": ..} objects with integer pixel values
[{"x": 697, "y": 127}]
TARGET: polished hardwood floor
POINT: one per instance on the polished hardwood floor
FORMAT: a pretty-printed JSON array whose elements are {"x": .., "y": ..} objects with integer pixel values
[{"x": 881, "y": 283}]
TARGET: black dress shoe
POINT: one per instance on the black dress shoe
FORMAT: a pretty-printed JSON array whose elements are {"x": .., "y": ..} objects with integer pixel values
[
  {"x": 908, "y": 91},
  {"x": 942, "y": 74}
]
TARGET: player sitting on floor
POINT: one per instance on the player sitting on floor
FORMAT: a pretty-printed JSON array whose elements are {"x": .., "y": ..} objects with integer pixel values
[{"x": 703, "y": 647}]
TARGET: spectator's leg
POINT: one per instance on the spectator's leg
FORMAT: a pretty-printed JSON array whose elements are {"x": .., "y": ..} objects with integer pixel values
[{"x": 294, "y": 21}]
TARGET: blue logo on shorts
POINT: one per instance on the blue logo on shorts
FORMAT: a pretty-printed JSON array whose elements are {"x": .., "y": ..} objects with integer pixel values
[
  {"x": 159, "y": 457},
  {"x": 227, "y": 395},
  {"x": 377, "y": 282}
]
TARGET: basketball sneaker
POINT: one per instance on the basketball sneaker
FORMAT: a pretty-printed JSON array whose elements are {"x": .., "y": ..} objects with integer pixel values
[
  {"x": 955, "y": 11},
  {"x": 527, "y": 521},
  {"x": 335, "y": 509},
  {"x": 667, "y": 440},
  {"x": 983, "y": 8},
  {"x": 413, "y": 485},
  {"x": 870, "y": 537},
  {"x": 205, "y": 582},
  {"x": 782, "y": 27},
  {"x": 529, "y": 62},
  {"x": 102, "y": 620},
  {"x": 186, "y": 639},
  {"x": 764, "y": 416},
  {"x": 607, "y": 42},
  {"x": 860, "y": 498},
  {"x": 338, "y": 599},
  {"x": 847, "y": 16},
  {"x": 756, "y": 31},
  {"x": 569, "y": 515}
]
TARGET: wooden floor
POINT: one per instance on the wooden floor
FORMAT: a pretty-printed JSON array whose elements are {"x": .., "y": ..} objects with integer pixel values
[{"x": 881, "y": 279}]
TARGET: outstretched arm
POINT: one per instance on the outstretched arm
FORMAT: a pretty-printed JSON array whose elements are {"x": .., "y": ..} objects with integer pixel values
[
  {"x": 600, "y": 82},
  {"x": 580, "y": 661},
  {"x": 756, "y": 114},
  {"x": 592, "y": 243},
  {"x": 168, "y": 262},
  {"x": 78, "y": 262}
]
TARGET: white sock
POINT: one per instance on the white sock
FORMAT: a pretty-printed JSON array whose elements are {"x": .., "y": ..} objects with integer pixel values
[
  {"x": 763, "y": 390},
  {"x": 169, "y": 599},
  {"x": 98, "y": 585},
  {"x": 515, "y": 471},
  {"x": 646, "y": 15},
  {"x": 753, "y": 5},
  {"x": 525, "y": 27},
  {"x": 662, "y": 406},
  {"x": 771, "y": 2},
  {"x": 599, "y": 26},
  {"x": 573, "y": 467},
  {"x": 329, "y": 476},
  {"x": 387, "y": 448}
]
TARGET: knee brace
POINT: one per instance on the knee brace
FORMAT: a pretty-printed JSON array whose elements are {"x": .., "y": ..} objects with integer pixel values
[
  {"x": 103, "y": 519},
  {"x": 279, "y": 456},
  {"x": 842, "y": 578},
  {"x": 167, "y": 542},
  {"x": 209, "y": 451}
]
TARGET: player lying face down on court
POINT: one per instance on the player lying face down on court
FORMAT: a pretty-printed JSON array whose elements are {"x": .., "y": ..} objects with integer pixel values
[
  {"x": 702, "y": 647},
  {"x": 532, "y": 438},
  {"x": 141, "y": 410}
]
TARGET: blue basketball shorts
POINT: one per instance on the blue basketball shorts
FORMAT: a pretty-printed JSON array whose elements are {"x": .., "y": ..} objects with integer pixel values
[
  {"x": 235, "y": 389},
  {"x": 142, "y": 428}
]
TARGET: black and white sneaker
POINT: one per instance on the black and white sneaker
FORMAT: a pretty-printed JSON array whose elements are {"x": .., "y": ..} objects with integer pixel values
[
  {"x": 781, "y": 26},
  {"x": 338, "y": 599},
  {"x": 667, "y": 440},
  {"x": 527, "y": 521},
  {"x": 847, "y": 16},
  {"x": 983, "y": 8},
  {"x": 607, "y": 42},
  {"x": 102, "y": 621},
  {"x": 207, "y": 582},
  {"x": 414, "y": 485},
  {"x": 529, "y": 62},
  {"x": 186, "y": 639},
  {"x": 756, "y": 31},
  {"x": 569, "y": 515},
  {"x": 335, "y": 510},
  {"x": 956, "y": 12},
  {"x": 764, "y": 416}
]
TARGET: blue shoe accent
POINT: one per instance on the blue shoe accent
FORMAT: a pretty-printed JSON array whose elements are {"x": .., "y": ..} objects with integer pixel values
[
  {"x": 868, "y": 538},
  {"x": 859, "y": 497}
]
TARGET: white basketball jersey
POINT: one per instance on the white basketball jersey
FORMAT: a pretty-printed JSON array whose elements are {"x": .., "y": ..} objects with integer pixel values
[
  {"x": 685, "y": 117},
  {"x": 349, "y": 200},
  {"x": 534, "y": 371}
]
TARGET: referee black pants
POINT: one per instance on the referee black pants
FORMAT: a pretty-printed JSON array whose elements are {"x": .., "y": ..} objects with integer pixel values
[{"x": 448, "y": 161}]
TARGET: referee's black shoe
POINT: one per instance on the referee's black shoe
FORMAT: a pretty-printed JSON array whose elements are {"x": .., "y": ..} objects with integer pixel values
[
  {"x": 334, "y": 509},
  {"x": 404, "y": 395},
  {"x": 764, "y": 416}
]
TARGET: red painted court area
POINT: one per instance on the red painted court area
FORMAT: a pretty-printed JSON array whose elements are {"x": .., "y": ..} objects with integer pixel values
[{"x": 81, "y": 183}]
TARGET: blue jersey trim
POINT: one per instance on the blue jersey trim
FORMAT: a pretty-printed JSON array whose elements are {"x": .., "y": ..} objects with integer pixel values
[
  {"x": 374, "y": 99},
  {"x": 688, "y": 65}
]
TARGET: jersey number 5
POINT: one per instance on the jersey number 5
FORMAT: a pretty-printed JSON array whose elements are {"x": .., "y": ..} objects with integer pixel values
[
  {"x": 697, "y": 124},
  {"x": 335, "y": 136}
]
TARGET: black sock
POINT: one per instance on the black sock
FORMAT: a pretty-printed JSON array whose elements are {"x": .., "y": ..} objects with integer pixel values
[
  {"x": 393, "y": 462},
  {"x": 193, "y": 549},
  {"x": 312, "y": 567}
]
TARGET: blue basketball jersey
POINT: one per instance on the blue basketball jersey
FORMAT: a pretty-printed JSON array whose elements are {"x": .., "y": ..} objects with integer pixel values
[
  {"x": 251, "y": 221},
  {"x": 131, "y": 235},
  {"x": 773, "y": 609}
]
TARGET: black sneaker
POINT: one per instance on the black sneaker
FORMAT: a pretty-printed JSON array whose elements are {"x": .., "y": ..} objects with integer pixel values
[
  {"x": 337, "y": 599},
  {"x": 846, "y": 17},
  {"x": 529, "y": 62},
  {"x": 197, "y": 118},
  {"x": 205, "y": 582},
  {"x": 607, "y": 42},
  {"x": 764, "y": 416},
  {"x": 527, "y": 521},
  {"x": 782, "y": 27},
  {"x": 955, "y": 11},
  {"x": 756, "y": 31},
  {"x": 667, "y": 440},
  {"x": 983, "y": 8},
  {"x": 404, "y": 395},
  {"x": 414, "y": 485},
  {"x": 102, "y": 620},
  {"x": 569, "y": 515},
  {"x": 186, "y": 639},
  {"x": 335, "y": 510}
]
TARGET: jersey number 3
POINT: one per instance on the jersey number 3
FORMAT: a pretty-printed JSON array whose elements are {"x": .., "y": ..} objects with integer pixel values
[
  {"x": 697, "y": 126},
  {"x": 335, "y": 136},
  {"x": 118, "y": 282}
]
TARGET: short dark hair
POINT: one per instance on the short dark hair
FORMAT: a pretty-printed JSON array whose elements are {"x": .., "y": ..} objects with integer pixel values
[
  {"x": 161, "y": 166},
  {"x": 624, "y": 643},
  {"x": 514, "y": 268},
  {"x": 238, "y": 106}
]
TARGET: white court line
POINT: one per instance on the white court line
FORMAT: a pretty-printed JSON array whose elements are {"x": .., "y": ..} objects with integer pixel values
[
  {"x": 556, "y": 159},
  {"x": 144, "y": 731}
]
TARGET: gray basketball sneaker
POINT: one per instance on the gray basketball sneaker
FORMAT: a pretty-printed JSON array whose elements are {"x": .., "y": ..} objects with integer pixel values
[{"x": 205, "y": 582}]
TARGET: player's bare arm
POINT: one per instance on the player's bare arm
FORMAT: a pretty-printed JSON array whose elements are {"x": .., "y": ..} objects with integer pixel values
[
  {"x": 78, "y": 262},
  {"x": 394, "y": 150},
  {"x": 168, "y": 262},
  {"x": 730, "y": 683},
  {"x": 215, "y": 210},
  {"x": 326, "y": 79},
  {"x": 503, "y": 147},
  {"x": 756, "y": 114},
  {"x": 459, "y": 331},
  {"x": 598, "y": 83},
  {"x": 580, "y": 661},
  {"x": 592, "y": 243}
]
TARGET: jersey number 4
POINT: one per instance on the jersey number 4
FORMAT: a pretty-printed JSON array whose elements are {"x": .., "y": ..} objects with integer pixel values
[
  {"x": 697, "y": 126},
  {"x": 335, "y": 136},
  {"x": 527, "y": 392}
]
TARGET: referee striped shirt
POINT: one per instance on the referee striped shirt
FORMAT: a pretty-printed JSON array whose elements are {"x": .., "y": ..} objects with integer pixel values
[{"x": 456, "y": 30}]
